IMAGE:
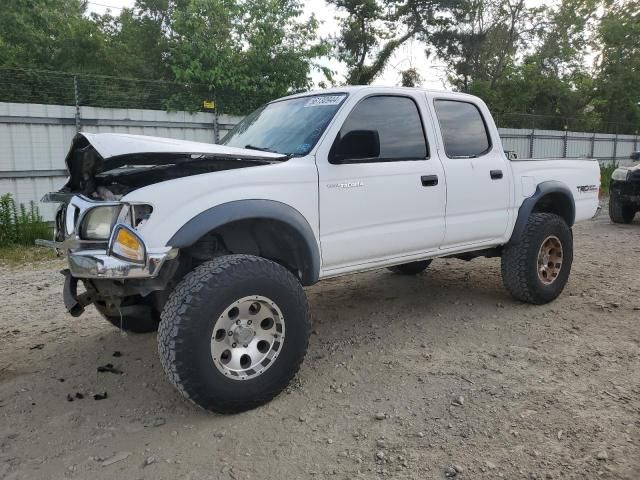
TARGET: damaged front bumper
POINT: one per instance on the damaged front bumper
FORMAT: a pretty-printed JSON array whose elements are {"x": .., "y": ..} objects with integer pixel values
[
  {"x": 99, "y": 264},
  {"x": 95, "y": 264},
  {"x": 73, "y": 302},
  {"x": 93, "y": 258},
  {"x": 105, "y": 275}
]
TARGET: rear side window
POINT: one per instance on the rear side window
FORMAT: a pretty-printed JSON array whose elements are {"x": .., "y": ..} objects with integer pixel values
[
  {"x": 397, "y": 123},
  {"x": 463, "y": 129}
]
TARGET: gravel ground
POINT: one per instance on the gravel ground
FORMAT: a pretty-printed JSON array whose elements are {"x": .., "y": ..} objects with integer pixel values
[{"x": 440, "y": 375}]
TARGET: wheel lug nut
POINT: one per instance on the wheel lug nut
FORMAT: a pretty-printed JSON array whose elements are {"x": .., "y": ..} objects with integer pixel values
[
  {"x": 245, "y": 345},
  {"x": 230, "y": 333},
  {"x": 249, "y": 322},
  {"x": 237, "y": 322},
  {"x": 234, "y": 345}
]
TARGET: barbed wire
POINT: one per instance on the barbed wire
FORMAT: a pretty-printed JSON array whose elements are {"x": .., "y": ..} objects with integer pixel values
[
  {"x": 20, "y": 85},
  {"x": 59, "y": 88},
  {"x": 585, "y": 123}
]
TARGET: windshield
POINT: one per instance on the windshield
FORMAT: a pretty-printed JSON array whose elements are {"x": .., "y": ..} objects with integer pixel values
[{"x": 290, "y": 127}]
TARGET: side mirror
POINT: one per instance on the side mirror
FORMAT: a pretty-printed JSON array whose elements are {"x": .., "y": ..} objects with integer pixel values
[
  {"x": 355, "y": 145},
  {"x": 635, "y": 156}
]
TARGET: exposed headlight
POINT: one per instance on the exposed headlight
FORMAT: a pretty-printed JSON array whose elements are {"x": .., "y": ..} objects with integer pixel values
[
  {"x": 140, "y": 213},
  {"x": 98, "y": 222},
  {"x": 127, "y": 245},
  {"x": 620, "y": 174}
]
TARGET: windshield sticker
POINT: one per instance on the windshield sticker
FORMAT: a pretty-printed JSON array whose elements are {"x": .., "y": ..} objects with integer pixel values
[{"x": 324, "y": 100}]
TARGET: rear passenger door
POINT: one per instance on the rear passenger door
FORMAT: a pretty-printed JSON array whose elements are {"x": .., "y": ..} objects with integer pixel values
[
  {"x": 477, "y": 173},
  {"x": 390, "y": 204}
]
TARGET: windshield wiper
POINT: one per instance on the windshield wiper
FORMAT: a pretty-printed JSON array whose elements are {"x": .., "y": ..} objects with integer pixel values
[
  {"x": 260, "y": 149},
  {"x": 286, "y": 156}
]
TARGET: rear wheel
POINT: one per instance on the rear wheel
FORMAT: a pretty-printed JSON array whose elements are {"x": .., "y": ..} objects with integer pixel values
[
  {"x": 536, "y": 269},
  {"x": 618, "y": 212},
  {"x": 412, "y": 268},
  {"x": 234, "y": 333}
]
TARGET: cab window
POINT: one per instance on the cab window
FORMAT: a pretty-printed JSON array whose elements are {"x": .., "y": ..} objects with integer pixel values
[
  {"x": 464, "y": 131},
  {"x": 381, "y": 128}
]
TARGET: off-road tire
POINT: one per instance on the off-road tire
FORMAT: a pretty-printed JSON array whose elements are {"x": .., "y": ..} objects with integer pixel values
[
  {"x": 620, "y": 213},
  {"x": 144, "y": 322},
  {"x": 520, "y": 260},
  {"x": 188, "y": 319},
  {"x": 412, "y": 268}
]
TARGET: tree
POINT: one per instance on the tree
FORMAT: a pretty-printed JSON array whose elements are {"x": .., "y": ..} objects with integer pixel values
[
  {"x": 564, "y": 36},
  {"x": 526, "y": 61},
  {"x": 247, "y": 52},
  {"x": 138, "y": 39},
  {"x": 410, "y": 78},
  {"x": 484, "y": 39},
  {"x": 371, "y": 31},
  {"x": 49, "y": 34},
  {"x": 618, "y": 63},
  {"x": 361, "y": 32},
  {"x": 552, "y": 78}
]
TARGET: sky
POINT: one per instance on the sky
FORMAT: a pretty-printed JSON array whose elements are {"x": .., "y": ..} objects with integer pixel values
[{"x": 411, "y": 54}]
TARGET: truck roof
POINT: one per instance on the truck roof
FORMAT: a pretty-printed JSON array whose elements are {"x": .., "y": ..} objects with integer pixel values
[{"x": 356, "y": 88}]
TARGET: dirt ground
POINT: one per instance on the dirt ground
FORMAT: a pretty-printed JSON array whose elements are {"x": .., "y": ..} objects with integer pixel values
[{"x": 440, "y": 375}]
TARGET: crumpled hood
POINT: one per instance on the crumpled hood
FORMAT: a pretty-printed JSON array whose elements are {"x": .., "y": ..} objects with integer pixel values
[
  {"x": 121, "y": 163},
  {"x": 111, "y": 145}
]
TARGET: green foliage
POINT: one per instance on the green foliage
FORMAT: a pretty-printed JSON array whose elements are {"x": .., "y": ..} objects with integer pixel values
[
  {"x": 371, "y": 31},
  {"x": 180, "y": 52},
  {"x": 410, "y": 78},
  {"x": 482, "y": 41},
  {"x": 574, "y": 60},
  {"x": 50, "y": 34},
  {"x": 16, "y": 255},
  {"x": 137, "y": 41},
  {"x": 20, "y": 225},
  {"x": 552, "y": 82},
  {"x": 606, "y": 170},
  {"x": 247, "y": 52},
  {"x": 617, "y": 89},
  {"x": 361, "y": 32}
]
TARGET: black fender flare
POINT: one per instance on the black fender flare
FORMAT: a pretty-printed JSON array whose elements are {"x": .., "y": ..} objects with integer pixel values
[
  {"x": 543, "y": 189},
  {"x": 229, "y": 212}
]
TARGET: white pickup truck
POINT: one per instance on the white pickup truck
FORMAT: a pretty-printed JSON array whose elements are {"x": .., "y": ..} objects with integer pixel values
[{"x": 212, "y": 244}]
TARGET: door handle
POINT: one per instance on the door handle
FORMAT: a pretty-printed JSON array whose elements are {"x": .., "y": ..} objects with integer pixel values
[
  {"x": 429, "y": 180},
  {"x": 496, "y": 174}
]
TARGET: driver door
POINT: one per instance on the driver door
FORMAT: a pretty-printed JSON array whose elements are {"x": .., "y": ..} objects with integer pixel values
[{"x": 388, "y": 200}]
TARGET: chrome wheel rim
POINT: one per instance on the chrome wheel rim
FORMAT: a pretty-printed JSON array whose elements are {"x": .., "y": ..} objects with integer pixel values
[
  {"x": 550, "y": 260},
  {"x": 247, "y": 338}
]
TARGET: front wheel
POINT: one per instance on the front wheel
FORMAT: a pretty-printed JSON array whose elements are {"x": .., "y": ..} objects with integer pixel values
[
  {"x": 536, "y": 269},
  {"x": 234, "y": 333}
]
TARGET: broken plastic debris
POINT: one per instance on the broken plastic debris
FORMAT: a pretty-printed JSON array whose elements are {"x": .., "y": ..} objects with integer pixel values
[{"x": 109, "y": 368}]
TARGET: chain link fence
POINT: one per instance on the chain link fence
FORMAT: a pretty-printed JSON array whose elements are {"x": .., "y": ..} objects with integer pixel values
[
  {"x": 586, "y": 123},
  {"x": 58, "y": 88}
]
